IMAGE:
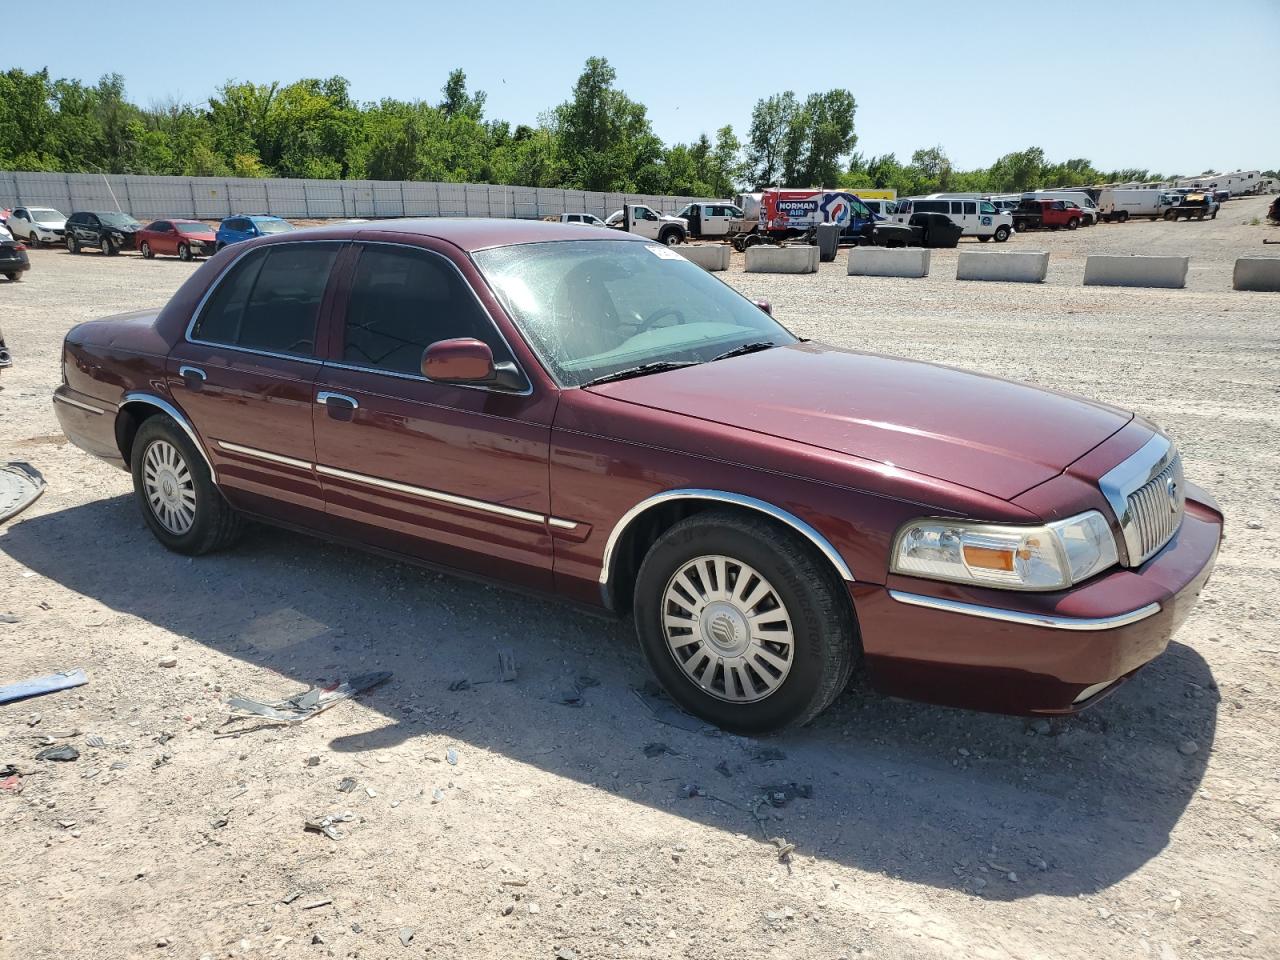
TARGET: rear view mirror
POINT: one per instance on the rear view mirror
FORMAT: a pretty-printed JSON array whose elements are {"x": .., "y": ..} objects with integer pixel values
[{"x": 764, "y": 305}]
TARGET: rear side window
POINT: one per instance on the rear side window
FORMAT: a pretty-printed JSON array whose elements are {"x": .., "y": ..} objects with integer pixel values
[
  {"x": 971, "y": 206},
  {"x": 932, "y": 206},
  {"x": 270, "y": 300},
  {"x": 404, "y": 300}
]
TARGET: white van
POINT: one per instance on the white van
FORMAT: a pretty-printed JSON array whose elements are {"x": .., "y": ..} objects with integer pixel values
[
  {"x": 976, "y": 218},
  {"x": 882, "y": 208},
  {"x": 1118, "y": 205}
]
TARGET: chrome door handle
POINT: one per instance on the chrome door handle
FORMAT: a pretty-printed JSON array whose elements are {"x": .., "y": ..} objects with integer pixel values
[
  {"x": 324, "y": 396},
  {"x": 193, "y": 377}
]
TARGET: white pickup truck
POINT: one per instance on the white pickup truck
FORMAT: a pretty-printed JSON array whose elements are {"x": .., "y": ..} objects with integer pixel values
[
  {"x": 589, "y": 219},
  {"x": 644, "y": 222}
]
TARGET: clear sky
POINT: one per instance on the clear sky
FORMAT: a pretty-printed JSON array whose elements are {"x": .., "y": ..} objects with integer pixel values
[{"x": 1172, "y": 86}]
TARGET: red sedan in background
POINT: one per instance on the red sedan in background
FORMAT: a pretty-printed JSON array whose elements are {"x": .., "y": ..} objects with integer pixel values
[{"x": 184, "y": 239}]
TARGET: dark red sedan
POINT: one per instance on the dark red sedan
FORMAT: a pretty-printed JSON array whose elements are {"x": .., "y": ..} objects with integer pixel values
[
  {"x": 591, "y": 415},
  {"x": 184, "y": 239}
]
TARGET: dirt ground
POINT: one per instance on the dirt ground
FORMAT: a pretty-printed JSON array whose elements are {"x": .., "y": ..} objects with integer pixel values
[{"x": 1145, "y": 828}]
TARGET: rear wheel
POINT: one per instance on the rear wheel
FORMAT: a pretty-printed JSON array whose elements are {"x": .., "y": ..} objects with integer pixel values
[
  {"x": 743, "y": 623},
  {"x": 1002, "y": 233},
  {"x": 176, "y": 493},
  {"x": 982, "y": 239},
  {"x": 14, "y": 277}
]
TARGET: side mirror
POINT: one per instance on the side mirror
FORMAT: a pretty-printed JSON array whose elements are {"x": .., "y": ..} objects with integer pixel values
[
  {"x": 467, "y": 361},
  {"x": 764, "y": 305}
]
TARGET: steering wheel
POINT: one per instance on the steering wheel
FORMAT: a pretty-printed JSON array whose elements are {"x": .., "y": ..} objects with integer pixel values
[{"x": 658, "y": 314}]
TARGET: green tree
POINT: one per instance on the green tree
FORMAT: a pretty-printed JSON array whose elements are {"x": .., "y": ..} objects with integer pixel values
[{"x": 605, "y": 137}]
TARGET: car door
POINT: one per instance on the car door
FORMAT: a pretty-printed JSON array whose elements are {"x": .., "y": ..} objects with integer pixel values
[
  {"x": 158, "y": 237},
  {"x": 20, "y": 223},
  {"x": 245, "y": 374},
  {"x": 455, "y": 475}
]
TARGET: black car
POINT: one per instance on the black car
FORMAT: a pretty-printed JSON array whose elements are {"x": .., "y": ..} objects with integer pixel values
[
  {"x": 13, "y": 259},
  {"x": 110, "y": 231}
]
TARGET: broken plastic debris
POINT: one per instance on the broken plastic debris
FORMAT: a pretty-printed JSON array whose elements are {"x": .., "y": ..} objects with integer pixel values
[
  {"x": 37, "y": 686},
  {"x": 328, "y": 824},
  {"x": 306, "y": 705},
  {"x": 63, "y": 753}
]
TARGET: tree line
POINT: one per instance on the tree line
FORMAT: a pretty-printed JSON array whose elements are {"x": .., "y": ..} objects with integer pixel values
[{"x": 598, "y": 139}]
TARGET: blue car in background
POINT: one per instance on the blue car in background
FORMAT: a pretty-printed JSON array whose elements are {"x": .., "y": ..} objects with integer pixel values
[{"x": 247, "y": 226}]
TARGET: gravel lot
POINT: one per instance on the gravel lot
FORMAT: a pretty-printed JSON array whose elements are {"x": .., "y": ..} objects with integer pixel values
[{"x": 1146, "y": 828}]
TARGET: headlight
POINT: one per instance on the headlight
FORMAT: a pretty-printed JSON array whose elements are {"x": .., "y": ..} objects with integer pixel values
[{"x": 1051, "y": 557}]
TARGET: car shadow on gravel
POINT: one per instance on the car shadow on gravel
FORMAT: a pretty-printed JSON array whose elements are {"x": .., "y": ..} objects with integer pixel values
[{"x": 998, "y": 806}]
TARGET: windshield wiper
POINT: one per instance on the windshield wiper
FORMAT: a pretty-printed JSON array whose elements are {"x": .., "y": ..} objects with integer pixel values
[
  {"x": 656, "y": 366},
  {"x": 745, "y": 348}
]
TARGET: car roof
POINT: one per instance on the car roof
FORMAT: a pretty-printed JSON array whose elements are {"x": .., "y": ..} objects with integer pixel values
[{"x": 476, "y": 233}]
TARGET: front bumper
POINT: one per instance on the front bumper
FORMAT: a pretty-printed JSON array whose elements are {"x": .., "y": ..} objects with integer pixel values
[{"x": 1029, "y": 653}]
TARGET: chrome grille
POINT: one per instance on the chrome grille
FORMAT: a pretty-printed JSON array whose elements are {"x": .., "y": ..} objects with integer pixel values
[
  {"x": 1156, "y": 508},
  {"x": 1147, "y": 494}
]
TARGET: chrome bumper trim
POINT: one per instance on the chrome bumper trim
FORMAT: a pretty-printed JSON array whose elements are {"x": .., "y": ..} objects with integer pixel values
[
  {"x": 59, "y": 398},
  {"x": 1027, "y": 619}
]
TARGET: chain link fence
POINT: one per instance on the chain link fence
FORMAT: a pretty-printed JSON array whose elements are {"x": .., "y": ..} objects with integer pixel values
[{"x": 212, "y": 198}]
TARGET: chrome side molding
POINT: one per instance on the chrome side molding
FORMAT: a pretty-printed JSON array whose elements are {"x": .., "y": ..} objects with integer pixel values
[
  {"x": 1050, "y": 621},
  {"x": 70, "y": 402}
]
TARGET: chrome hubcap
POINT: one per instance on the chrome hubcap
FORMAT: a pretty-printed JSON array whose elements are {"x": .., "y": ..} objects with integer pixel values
[
  {"x": 728, "y": 629},
  {"x": 170, "y": 489}
]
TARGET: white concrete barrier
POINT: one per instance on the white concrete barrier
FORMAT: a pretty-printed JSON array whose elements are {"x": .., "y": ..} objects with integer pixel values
[
  {"x": 1105, "y": 271},
  {"x": 1018, "y": 267},
  {"x": 888, "y": 262},
  {"x": 1257, "y": 273},
  {"x": 796, "y": 259},
  {"x": 710, "y": 256}
]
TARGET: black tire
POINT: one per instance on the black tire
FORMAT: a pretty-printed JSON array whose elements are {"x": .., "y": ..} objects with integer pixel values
[
  {"x": 825, "y": 648},
  {"x": 1073, "y": 224},
  {"x": 1002, "y": 233},
  {"x": 983, "y": 239},
  {"x": 33, "y": 241},
  {"x": 14, "y": 277},
  {"x": 109, "y": 247},
  {"x": 1170, "y": 215},
  {"x": 671, "y": 237},
  {"x": 1124, "y": 216},
  {"x": 73, "y": 245},
  {"x": 184, "y": 252},
  {"x": 1214, "y": 215},
  {"x": 146, "y": 251},
  {"x": 215, "y": 525}
]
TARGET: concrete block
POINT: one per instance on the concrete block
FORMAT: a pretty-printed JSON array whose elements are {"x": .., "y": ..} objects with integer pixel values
[
  {"x": 1018, "y": 267},
  {"x": 888, "y": 262},
  {"x": 796, "y": 259},
  {"x": 1105, "y": 271},
  {"x": 1257, "y": 273},
  {"x": 710, "y": 256}
]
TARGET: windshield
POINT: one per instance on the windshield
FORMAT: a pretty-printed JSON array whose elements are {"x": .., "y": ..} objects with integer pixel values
[
  {"x": 42, "y": 215},
  {"x": 591, "y": 308},
  {"x": 273, "y": 226},
  {"x": 193, "y": 228},
  {"x": 119, "y": 220}
]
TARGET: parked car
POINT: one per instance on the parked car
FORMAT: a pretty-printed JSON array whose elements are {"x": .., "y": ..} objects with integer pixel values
[
  {"x": 247, "y": 227},
  {"x": 13, "y": 257},
  {"x": 1079, "y": 199},
  {"x": 110, "y": 231},
  {"x": 1046, "y": 215},
  {"x": 712, "y": 221},
  {"x": 590, "y": 219},
  {"x": 184, "y": 239},
  {"x": 597, "y": 417},
  {"x": 37, "y": 225},
  {"x": 637, "y": 219},
  {"x": 976, "y": 217}
]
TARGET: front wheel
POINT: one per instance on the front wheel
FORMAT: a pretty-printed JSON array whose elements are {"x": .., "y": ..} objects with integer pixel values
[
  {"x": 1073, "y": 224},
  {"x": 146, "y": 251},
  {"x": 743, "y": 624},
  {"x": 109, "y": 247},
  {"x": 73, "y": 245},
  {"x": 13, "y": 277},
  {"x": 1002, "y": 233},
  {"x": 176, "y": 493},
  {"x": 1170, "y": 216},
  {"x": 672, "y": 237},
  {"x": 184, "y": 252}
]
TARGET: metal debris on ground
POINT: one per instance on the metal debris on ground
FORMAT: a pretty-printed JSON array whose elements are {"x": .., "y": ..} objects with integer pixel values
[
  {"x": 305, "y": 705},
  {"x": 328, "y": 825},
  {"x": 38, "y": 686},
  {"x": 780, "y": 794},
  {"x": 346, "y": 785},
  {"x": 95, "y": 741},
  {"x": 506, "y": 665},
  {"x": 317, "y": 903},
  {"x": 64, "y": 753},
  {"x": 573, "y": 696},
  {"x": 20, "y": 486},
  {"x": 784, "y": 849},
  {"x": 291, "y": 896},
  {"x": 664, "y": 711}
]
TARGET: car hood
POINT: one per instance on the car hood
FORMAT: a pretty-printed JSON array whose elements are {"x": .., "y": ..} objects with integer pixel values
[{"x": 988, "y": 434}]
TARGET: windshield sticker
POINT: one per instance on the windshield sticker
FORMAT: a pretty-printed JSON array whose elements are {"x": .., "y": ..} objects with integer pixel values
[{"x": 662, "y": 252}]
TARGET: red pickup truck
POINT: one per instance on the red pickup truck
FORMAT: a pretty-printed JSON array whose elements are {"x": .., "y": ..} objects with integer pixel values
[{"x": 1050, "y": 214}]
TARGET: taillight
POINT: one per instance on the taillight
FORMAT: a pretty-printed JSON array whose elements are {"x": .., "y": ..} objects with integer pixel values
[{"x": 22, "y": 246}]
